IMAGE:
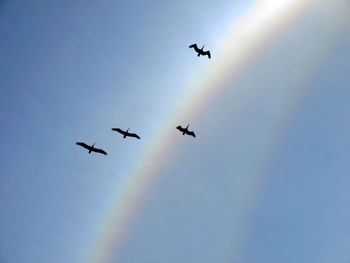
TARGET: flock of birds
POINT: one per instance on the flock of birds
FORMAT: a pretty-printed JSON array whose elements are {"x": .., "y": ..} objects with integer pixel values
[{"x": 200, "y": 52}]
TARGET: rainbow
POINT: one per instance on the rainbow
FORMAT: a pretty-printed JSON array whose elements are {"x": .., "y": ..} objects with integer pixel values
[{"x": 248, "y": 35}]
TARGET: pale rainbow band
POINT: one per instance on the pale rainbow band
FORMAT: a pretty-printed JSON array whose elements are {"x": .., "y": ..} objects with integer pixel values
[{"x": 247, "y": 37}]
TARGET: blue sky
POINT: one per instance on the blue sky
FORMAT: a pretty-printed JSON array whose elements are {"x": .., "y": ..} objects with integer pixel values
[
  {"x": 71, "y": 71},
  {"x": 302, "y": 214}
]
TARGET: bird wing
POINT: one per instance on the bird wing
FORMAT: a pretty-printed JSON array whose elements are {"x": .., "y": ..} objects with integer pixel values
[
  {"x": 180, "y": 128},
  {"x": 134, "y": 135},
  {"x": 84, "y": 145},
  {"x": 191, "y": 133},
  {"x": 99, "y": 151},
  {"x": 118, "y": 130},
  {"x": 206, "y": 53},
  {"x": 195, "y": 47}
]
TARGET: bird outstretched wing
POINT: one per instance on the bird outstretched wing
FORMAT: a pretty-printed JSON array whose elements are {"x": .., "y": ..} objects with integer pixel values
[
  {"x": 195, "y": 47},
  {"x": 191, "y": 133},
  {"x": 180, "y": 128},
  {"x": 99, "y": 151},
  {"x": 207, "y": 53},
  {"x": 134, "y": 135},
  {"x": 118, "y": 130},
  {"x": 83, "y": 145}
]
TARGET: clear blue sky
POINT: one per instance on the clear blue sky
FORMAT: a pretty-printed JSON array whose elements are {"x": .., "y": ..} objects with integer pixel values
[{"x": 266, "y": 179}]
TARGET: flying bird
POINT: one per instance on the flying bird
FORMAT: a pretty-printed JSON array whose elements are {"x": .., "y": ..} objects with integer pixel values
[
  {"x": 91, "y": 148},
  {"x": 200, "y": 51},
  {"x": 126, "y": 133},
  {"x": 185, "y": 131}
]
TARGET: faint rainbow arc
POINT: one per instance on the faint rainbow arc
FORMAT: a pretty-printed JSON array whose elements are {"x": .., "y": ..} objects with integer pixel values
[{"x": 145, "y": 173}]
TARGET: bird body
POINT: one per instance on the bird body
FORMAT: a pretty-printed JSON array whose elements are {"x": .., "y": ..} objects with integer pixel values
[
  {"x": 91, "y": 148},
  {"x": 126, "y": 133},
  {"x": 200, "y": 51},
  {"x": 185, "y": 131}
]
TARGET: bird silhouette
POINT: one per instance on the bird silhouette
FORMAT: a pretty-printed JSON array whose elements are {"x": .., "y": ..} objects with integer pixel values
[
  {"x": 185, "y": 131},
  {"x": 200, "y": 51},
  {"x": 91, "y": 148},
  {"x": 126, "y": 133}
]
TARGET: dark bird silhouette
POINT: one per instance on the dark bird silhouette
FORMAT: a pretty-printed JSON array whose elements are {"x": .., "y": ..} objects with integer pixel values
[
  {"x": 200, "y": 51},
  {"x": 91, "y": 148},
  {"x": 185, "y": 131},
  {"x": 126, "y": 133}
]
